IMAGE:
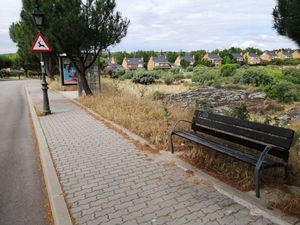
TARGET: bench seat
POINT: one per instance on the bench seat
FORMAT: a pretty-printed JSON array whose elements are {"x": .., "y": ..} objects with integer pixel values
[{"x": 226, "y": 149}]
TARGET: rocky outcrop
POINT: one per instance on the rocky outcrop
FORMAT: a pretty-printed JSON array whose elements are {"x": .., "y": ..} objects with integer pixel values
[
  {"x": 222, "y": 99},
  {"x": 290, "y": 115}
]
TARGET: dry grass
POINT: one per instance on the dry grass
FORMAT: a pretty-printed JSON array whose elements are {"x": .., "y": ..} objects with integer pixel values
[
  {"x": 147, "y": 118},
  {"x": 291, "y": 206},
  {"x": 39, "y": 112},
  {"x": 56, "y": 86},
  {"x": 145, "y": 91}
]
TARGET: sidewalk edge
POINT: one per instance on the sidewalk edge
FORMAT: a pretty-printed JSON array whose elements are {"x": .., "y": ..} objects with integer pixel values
[
  {"x": 58, "y": 204},
  {"x": 255, "y": 206}
]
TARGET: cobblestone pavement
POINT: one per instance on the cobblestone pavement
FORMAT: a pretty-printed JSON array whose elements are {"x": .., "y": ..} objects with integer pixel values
[{"x": 107, "y": 180}]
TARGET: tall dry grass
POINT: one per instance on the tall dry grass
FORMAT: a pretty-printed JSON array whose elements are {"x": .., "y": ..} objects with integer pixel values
[{"x": 143, "y": 116}]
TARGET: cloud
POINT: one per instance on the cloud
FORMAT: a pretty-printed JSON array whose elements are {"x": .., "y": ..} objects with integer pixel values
[
  {"x": 200, "y": 24},
  {"x": 183, "y": 24},
  {"x": 9, "y": 13},
  {"x": 4, "y": 31}
]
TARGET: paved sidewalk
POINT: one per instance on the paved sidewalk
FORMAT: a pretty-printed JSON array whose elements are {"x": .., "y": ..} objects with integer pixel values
[{"x": 107, "y": 180}]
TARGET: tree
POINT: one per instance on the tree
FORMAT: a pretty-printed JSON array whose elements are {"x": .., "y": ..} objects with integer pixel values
[
  {"x": 226, "y": 60},
  {"x": 172, "y": 56},
  {"x": 198, "y": 54},
  {"x": 184, "y": 64},
  {"x": 23, "y": 33},
  {"x": 84, "y": 30},
  {"x": 287, "y": 19},
  {"x": 5, "y": 62},
  {"x": 119, "y": 56}
]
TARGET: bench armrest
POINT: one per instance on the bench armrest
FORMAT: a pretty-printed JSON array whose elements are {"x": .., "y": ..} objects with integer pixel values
[{"x": 176, "y": 123}]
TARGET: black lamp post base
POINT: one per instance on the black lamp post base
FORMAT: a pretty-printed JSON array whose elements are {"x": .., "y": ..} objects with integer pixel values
[{"x": 46, "y": 107}]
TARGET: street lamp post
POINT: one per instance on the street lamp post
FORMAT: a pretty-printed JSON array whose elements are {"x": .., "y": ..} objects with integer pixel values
[{"x": 38, "y": 18}]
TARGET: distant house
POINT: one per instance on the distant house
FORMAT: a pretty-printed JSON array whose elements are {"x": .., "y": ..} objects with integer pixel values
[
  {"x": 284, "y": 55},
  {"x": 160, "y": 62},
  {"x": 238, "y": 57},
  {"x": 214, "y": 58},
  {"x": 189, "y": 59},
  {"x": 296, "y": 54},
  {"x": 268, "y": 56},
  {"x": 111, "y": 66},
  {"x": 111, "y": 60},
  {"x": 252, "y": 58},
  {"x": 132, "y": 63}
]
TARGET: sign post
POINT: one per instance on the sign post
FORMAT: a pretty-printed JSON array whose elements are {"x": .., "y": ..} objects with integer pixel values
[{"x": 40, "y": 45}]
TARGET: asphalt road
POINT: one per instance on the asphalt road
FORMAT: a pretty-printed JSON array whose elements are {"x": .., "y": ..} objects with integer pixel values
[{"x": 22, "y": 201}]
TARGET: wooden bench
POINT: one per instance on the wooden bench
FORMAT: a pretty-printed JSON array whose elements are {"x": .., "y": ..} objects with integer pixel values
[{"x": 227, "y": 135}]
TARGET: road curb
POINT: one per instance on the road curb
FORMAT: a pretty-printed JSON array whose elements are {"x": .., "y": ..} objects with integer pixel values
[
  {"x": 256, "y": 206},
  {"x": 58, "y": 204}
]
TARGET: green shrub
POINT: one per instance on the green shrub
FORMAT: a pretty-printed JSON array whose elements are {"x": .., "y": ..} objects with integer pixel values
[
  {"x": 236, "y": 79},
  {"x": 128, "y": 74},
  {"x": 280, "y": 62},
  {"x": 169, "y": 79},
  {"x": 204, "y": 63},
  {"x": 189, "y": 68},
  {"x": 205, "y": 105},
  {"x": 4, "y": 73},
  {"x": 175, "y": 70},
  {"x": 158, "y": 95},
  {"x": 32, "y": 74},
  {"x": 240, "y": 112},
  {"x": 5, "y": 62},
  {"x": 292, "y": 75},
  {"x": 178, "y": 76},
  {"x": 256, "y": 77},
  {"x": 118, "y": 73},
  {"x": 275, "y": 72},
  {"x": 160, "y": 74},
  {"x": 122, "y": 78},
  {"x": 283, "y": 91},
  {"x": 229, "y": 69},
  {"x": 205, "y": 76},
  {"x": 143, "y": 77},
  {"x": 155, "y": 74},
  {"x": 184, "y": 64}
]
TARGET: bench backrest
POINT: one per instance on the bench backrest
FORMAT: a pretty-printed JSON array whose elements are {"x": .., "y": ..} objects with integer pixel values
[{"x": 250, "y": 134}]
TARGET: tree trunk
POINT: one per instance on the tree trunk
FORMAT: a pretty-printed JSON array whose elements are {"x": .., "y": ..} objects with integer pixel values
[
  {"x": 51, "y": 66},
  {"x": 85, "y": 84}
]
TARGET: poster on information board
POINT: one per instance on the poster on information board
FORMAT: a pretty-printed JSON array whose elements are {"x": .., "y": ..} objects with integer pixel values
[{"x": 69, "y": 75}]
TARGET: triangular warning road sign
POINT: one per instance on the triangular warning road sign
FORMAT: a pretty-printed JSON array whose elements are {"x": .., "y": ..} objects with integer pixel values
[{"x": 40, "y": 44}]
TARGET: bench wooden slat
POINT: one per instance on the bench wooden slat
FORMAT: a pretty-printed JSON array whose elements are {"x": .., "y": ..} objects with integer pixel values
[
  {"x": 238, "y": 131},
  {"x": 278, "y": 152},
  {"x": 220, "y": 147},
  {"x": 278, "y": 131}
]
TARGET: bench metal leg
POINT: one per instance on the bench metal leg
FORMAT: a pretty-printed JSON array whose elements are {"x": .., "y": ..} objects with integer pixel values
[
  {"x": 286, "y": 173},
  {"x": 257, "y": 170},
  {"x": 257, "y": 181},
  {"x": 171, "y": 147}
]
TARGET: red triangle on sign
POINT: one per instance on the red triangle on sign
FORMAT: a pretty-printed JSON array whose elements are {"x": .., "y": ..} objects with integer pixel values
[{"x": 40, "y": 44}]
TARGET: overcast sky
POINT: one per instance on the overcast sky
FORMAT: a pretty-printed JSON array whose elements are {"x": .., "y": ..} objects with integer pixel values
[{"x": 181, "y": 25}]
